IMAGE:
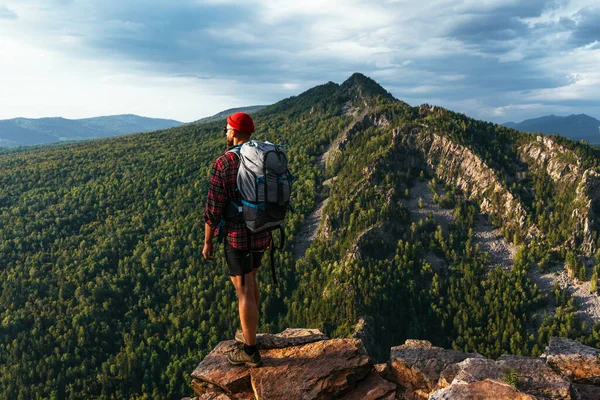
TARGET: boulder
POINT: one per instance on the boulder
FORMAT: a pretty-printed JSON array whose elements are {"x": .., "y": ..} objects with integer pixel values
[
  {"x": 324, "y": 369},
  {"x": 208, "y": 391},
  {"x": 374, "y": 387},
  {"x": 573, "y": 360},
  {"x": 384, "y": 371},
  {"x": 529, "y": 375},
  {"x": 587, "y": 392},
  {"x": 537, "y": 378},
  {"x": 365, "y": 331},
  {"x": 216, "y": 369},
  {"x": 417, "y": 365},
  {"x": 482, "y": 390},
  {"x": 289, "y": 337}
]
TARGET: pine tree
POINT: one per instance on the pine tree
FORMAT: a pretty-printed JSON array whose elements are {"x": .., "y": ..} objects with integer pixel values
[{"x": 594, "y": 282}]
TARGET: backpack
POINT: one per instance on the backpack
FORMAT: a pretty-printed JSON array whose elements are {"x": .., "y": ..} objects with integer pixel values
[{"x": 265, "y": 184}]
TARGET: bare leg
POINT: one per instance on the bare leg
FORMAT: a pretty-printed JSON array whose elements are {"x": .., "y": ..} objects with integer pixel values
[
  {"x": 247, "y": 306},
  {"x": 256, "y": 290}
]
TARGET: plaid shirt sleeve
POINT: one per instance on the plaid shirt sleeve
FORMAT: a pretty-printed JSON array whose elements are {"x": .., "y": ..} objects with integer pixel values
[{"x": 217, "y": 194}]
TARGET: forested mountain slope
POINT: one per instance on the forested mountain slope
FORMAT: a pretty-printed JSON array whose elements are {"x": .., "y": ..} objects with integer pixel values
[{"x": 104, "y": 292}]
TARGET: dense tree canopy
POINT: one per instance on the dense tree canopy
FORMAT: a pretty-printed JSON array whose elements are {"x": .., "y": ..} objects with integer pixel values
[{"x": 105, "y": 294}]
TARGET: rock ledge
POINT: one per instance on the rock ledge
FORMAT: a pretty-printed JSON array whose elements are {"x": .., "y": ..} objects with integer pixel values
[{"x": 305, "y": 364}]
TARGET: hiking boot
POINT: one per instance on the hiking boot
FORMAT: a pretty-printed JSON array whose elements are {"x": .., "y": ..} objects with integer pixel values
[
  {"x": 240, "y": 357},
  {"x": 239, "y": 336}
]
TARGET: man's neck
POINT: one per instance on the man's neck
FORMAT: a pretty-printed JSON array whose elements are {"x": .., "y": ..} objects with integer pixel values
[{"x": 237, "y": 142}]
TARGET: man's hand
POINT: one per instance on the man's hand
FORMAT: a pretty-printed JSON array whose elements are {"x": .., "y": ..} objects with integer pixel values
[
  {"x": 209, "y": 234},
  {"x": 207, "y": 252}
]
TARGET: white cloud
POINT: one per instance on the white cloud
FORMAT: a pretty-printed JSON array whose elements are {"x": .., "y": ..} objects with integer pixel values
[
  {"x": 98, "y": 57},
  {"x": 239, "y": 34},
  {"x": 291, "y": 86},
  {"x": 580, "y": 68},
  {"x": 41, "y": 83}
]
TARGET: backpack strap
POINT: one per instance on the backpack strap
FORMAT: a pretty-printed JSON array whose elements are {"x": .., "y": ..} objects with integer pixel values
[
  {"x": 273, "y": 249},
  {"x": 235, "y": 209},
  {"x": 250, "y": 253},
  {"x": 221, "y": 226},
  {"x": 235, "y": 149}
]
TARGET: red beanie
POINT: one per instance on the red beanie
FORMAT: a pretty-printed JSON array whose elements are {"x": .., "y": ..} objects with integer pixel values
[{"x": 241, "y": 122}]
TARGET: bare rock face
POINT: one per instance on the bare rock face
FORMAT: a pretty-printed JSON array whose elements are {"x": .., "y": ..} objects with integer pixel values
[
  {"x": 323, "y": 369},
  {"x": 300, "y": 365},
  {"x": 564, "y": 167},
  {"x": 587, "y": 392},
  {"x": 588, "y": 196},
  {"x": 529, "y": 375},
  {"x": 365, "y": 331},
  {"x": 417, "y": 365},
  {"x": 317, "y": 370},
  {"x": 289, "y": 337},
  {"x": 374, "y": 387},
  {"x": 537, "y": 378},
  {"x": 553, "y": 158},
  {"x": 208, "y": 391},
  {"x": 459, "y": 166},
  {"x": 385, "y": 371},
  {"x": 216, "y": 369},
  {"x": 482, "y": 390},
  {"x": 573, "y": 360}
]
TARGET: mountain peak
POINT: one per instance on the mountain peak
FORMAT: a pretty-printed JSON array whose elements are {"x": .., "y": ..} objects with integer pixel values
[{"x": 361, "y": 85}]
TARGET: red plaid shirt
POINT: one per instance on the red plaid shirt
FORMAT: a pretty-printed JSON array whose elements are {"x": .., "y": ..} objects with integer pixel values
[{"x": 221, "y": 189}]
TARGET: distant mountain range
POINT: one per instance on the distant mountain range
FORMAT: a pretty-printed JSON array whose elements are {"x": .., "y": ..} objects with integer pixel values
[
  {"x": 26, "y": 131},
  {"x": 576, "y": 127}
]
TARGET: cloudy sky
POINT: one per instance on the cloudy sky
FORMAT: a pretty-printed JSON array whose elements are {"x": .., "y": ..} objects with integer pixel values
[{"x": 497, "y": 60}]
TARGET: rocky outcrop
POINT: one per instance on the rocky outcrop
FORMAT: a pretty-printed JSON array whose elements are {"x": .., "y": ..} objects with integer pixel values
[
  {"x": 560, "y": 163},
  {"x": 573, "y": 360},
  {"x": 288, "y": 338},
  {"x": 374, "y": 387},
  {"x": 564, "y": 167},
  {"x": 327, "y": 368},
  {"x": 529, "y": 375},
  {"x": 364, "y": 330},
  {"x": 481, "y": 390},
  {"x": 588, "y": 198},
  {"x": 459, "y": 166},
  {"x": 310, "y": 366},
  {"x": 417, "y": 365}
]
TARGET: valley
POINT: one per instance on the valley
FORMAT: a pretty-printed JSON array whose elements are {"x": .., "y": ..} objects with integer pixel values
[{"x": 401, "y": 216}]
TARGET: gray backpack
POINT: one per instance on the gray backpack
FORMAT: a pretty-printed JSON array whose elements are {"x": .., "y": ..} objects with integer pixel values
[{"x": 265, "y": 184}]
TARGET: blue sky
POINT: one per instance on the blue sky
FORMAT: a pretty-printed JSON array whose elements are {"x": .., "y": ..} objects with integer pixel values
[{"x": 496, "y": 60}]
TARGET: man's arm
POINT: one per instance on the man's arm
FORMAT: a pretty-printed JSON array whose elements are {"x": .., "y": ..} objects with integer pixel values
[{"x": 209, "y": 234}]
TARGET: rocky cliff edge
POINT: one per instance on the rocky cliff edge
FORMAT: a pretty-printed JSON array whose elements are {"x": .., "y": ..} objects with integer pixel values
[{"x": 305, "y": 364}]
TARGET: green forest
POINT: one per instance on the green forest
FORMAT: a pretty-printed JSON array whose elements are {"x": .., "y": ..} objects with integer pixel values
[{"x": 105, "y": 293}]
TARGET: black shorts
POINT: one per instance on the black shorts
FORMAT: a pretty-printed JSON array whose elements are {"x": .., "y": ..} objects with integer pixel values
[{"x": 241, "y": 262}]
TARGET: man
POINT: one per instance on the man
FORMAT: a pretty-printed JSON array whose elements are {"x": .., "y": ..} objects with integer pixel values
[{"x": 243, "y": 250}]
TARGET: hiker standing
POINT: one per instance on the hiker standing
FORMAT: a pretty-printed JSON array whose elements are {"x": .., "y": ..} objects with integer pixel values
[{"x": 243, "y": 250}]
